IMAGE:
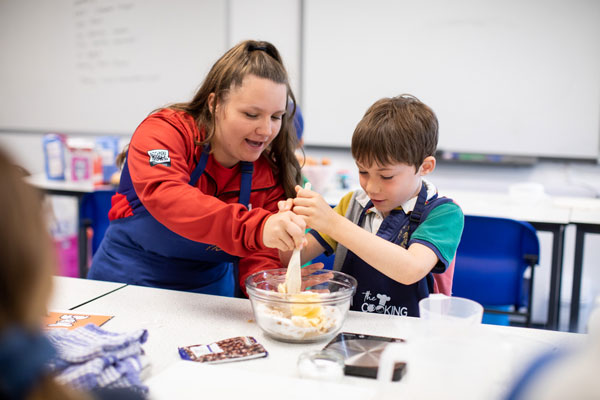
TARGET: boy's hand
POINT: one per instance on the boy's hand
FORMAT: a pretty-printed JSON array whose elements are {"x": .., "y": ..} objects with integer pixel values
[{"x": 314, "y": 209}]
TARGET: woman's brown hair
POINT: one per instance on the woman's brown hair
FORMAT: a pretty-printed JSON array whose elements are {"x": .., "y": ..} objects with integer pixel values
[{"x": 260, "y": 59}]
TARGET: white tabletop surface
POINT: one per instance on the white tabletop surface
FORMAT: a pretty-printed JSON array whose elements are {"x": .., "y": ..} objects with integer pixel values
[
  {"x": 176, "y": 319},
  {"x": 503, "y": 205},
  {"x": 71, "y": 292},
  {"x": 579, "y": 216},
  {"x": 42, "y": 182},
  {"x": 583, "y": 210},
  {"x": 500, "y": 204}
]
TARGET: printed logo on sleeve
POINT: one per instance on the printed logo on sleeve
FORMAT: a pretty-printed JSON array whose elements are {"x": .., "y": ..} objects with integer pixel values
[{"x": 159, "y": 157}]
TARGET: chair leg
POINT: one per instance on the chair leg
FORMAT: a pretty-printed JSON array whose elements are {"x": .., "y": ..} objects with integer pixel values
[{"x": 530, "y": 297}]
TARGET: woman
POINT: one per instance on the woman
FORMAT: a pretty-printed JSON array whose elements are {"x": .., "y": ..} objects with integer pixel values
[{"x": 199, "y": 189}]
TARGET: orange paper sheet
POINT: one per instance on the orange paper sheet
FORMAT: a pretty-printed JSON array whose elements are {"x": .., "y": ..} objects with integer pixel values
[{"x": 70, "y": 320}]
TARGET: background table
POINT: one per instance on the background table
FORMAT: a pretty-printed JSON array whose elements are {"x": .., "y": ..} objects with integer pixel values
[{"x": 586, "y": 217}]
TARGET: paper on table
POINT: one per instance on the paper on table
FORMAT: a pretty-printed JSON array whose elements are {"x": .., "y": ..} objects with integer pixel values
[{"x": 69, "y": 320}]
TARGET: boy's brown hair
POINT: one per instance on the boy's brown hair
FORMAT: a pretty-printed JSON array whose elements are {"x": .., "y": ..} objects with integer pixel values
[{"x": 399, "y": 129}]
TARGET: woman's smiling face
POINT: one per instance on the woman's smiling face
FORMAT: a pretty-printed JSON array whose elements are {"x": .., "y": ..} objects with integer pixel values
[{"x": 248, "y": 120}]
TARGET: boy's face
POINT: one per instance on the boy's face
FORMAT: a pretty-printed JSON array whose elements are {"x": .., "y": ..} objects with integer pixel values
[{"x": 389, "y": 186}]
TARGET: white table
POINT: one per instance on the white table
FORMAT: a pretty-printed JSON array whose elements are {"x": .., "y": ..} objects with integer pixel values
[
  {"x": 179, "y": 318},
  {"x": 69, "y": 293},
  {"x": 500, "y": 204},
  {"x": 66, "y": 186}
]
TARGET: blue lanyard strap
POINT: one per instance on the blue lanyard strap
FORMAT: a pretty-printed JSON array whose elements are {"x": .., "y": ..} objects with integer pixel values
[
  {"x": 199, "y": 170},
  {"x": 247, "y": 168},
  {"x": 246, "y": 182},
  {"x": 417, "y": 212}
]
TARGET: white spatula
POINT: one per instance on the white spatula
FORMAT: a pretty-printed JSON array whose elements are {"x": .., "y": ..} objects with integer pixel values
[{"x": 293, "y": 276}]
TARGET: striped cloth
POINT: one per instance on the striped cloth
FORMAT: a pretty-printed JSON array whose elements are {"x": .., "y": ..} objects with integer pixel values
[{"x": 89, "y": 357}]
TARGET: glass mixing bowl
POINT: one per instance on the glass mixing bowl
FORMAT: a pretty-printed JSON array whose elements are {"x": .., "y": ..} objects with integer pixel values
[{"x": 315, "y": 314}]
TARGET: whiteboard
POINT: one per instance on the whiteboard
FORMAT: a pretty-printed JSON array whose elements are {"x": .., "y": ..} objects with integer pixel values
[
  {"x": 101, "y": 66},
  {"x": 516, "y": 77}
]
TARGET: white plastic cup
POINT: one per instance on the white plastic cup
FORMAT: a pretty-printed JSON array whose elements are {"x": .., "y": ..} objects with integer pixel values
[{"x": 451, "y": 309}]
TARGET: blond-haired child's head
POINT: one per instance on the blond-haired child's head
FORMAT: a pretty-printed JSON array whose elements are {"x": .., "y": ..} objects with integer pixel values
[{"x": 25, "y": 250}]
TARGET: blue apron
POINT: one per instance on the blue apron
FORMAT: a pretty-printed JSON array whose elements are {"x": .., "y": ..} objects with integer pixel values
[
  {"x": 375, "y": 291},
  {"x": 140, "y": 250}
]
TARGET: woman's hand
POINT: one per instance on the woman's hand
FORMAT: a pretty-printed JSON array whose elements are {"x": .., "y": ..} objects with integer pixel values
[
  {"x": 284, "y": 231},
  {"x": 285, "y": 205}
]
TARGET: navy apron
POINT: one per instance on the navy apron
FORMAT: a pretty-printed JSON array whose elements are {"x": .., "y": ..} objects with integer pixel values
[
  {"x": 140, "y": 250},
  {"x": 378, "y": 293}
]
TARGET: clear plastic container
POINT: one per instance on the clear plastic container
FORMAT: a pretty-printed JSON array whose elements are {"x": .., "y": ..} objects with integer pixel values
[
  {"x": 439, "y": 307},
  {"x": 54, "y": 156},
  {"x": 107, "y": 148},
  {"x": 85, "y": 165},
  {"x": 324, "y": 365}
]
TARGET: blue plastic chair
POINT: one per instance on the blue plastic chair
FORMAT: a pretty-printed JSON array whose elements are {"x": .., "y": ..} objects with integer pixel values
[{"x": 491, "y": 260}]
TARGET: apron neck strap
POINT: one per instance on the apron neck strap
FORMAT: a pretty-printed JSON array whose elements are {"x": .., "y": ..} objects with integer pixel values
[
  {"x": 247, "y": 168},
  {"x": 197, "y": 172},
  {"x": 417, "y": 212}
]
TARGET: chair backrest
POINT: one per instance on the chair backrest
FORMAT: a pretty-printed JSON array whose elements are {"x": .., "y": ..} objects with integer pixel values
[{"x": 491, "y": 259}]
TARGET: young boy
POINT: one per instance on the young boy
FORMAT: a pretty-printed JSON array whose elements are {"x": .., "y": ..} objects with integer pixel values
[{"x": 395, "y": 232}]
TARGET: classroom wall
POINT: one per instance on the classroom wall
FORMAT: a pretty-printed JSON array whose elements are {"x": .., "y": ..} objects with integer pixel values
[
  {"x": 497, "y": 73},
  {"x": 99, "y": 67},
  {"x": 279, "y": 21}
]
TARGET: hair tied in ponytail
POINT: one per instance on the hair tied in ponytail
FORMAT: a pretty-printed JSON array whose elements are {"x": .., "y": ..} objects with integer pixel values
[{"x": 255, "y": 47}]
